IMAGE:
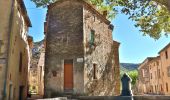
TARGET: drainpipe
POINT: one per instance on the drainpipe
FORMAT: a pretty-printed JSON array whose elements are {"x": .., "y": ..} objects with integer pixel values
[{"x": 9, "y": 37}]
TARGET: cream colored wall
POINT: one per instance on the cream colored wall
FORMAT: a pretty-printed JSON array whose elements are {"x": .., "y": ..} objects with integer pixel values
[
  {"x": 165, "y": 65},
  {"x": 18, "y": 43},
  {"x": 4, "y": 20}
]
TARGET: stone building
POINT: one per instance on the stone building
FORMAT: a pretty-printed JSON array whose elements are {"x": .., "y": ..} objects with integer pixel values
[
  {"x": 143, "y": 85},
  {"x": 81, "y": 57},
  {"x": 159, "y": 74},
  {"x": 14, "y": 50},
  {"x": 36, "y": 71},
  {"x": 165, "y": 60},
  {"x": 156, "y": 84}
]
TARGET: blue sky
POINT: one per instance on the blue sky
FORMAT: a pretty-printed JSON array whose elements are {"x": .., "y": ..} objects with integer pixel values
[{"x": 134, "y": 47}]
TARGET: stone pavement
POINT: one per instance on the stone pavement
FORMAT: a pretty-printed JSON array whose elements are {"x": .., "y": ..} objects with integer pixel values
[{"x": 149, "y": 97}]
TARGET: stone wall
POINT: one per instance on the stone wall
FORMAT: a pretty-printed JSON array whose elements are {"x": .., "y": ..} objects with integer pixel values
[
  {"x": 165, "y": 62},
  {"x": 69, "y": 26},
  {"x": 4, "y": 19},
  {"x": 13, "y": 39},
  {"x": 101, "y": 54},
  {"x": 64, "y": 40},
  {"x": 143, "y": 83}
]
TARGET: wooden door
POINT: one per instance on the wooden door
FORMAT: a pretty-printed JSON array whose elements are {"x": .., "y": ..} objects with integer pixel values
[{"x": 68, "y": 76}]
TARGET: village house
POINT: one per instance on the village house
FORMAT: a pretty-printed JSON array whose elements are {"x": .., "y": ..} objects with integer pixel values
[
  {"x": 143, "y": 85},
  {"x": 150, "y": 76},
  {"x": 14, "y": 50},
  {"x": 81, "y": 57},
  {"x": 156, "y": 84},
  {"x": 158, "y": 72},
  {"x": 165, "y": 62},
  {"x": 36, "y": 71}
]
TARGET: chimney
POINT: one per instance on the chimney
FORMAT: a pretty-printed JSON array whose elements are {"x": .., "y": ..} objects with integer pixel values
[{"x": 105, "y": 13}]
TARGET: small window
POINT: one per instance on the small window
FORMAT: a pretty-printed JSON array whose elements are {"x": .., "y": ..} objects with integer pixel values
[
  {"x": 168, "y": 71},
  {"x": 20, "y": 62},
  {"x": 94, "y": 71},
  {"x": 144, "y": 71},
  {"x": 159, "y": 73},
  {"x": 155, "y": 74},
  {"x": 157, "y": 63},
  {"x": 167, "y": 87},
  {"x": 92, "y": 37},
  {"x": 166, "y": 54},
  {"x": 151, "y": 75},
  {"x": 54, "y": 73},
  {"x": 34, "y": 87}
]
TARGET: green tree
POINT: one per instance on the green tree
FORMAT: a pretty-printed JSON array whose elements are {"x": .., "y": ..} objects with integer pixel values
[
  {"x": 151, "y": 16},
  {"x": 133, "y": 75}
]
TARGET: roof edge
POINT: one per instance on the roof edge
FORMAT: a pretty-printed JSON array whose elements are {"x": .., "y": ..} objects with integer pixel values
[
  {"x": 24, "y": 12},
  {"x": 168, "y": 45},
  {"x": 86, "y": 4}
]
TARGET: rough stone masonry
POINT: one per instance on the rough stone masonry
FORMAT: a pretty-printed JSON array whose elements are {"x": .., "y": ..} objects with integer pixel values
[{"x": 81, "y": 56}]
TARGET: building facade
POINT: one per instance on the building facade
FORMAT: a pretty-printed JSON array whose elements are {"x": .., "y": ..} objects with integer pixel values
[
  {"x": 81, "y": 56},
  {"x": 155, "y": 71},
  {"x": 14, "y": 50},
  {"x": 165, "y": 60},
  {"x": 159, "y": 74},
  {"x": 36, "y": 71},
  {"x": 143, "y": 85}
]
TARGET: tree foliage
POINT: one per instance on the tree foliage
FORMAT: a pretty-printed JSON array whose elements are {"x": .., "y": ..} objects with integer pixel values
[
  {"x": 151, "y": 16},
  {"x": 133, "y": 75}
]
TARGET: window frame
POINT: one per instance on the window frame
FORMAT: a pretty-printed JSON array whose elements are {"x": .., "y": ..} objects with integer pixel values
[
  {"x": 20, "y": 61},
  {"x": 92, "y": 37}
]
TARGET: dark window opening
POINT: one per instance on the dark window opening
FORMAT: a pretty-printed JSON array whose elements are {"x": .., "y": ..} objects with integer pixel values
[
  {"x": 20, "y": 63},
  {"x": 159, "y": 73},
  {"x": 168, "y": 71},
  {"x": 94, "y": 71},
  {"x": 166, "y": 54},
  {"x": 167, "y": 87}
]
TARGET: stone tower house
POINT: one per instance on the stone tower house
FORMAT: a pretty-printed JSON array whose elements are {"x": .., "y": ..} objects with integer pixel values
[{"x": 81, "y": 56}]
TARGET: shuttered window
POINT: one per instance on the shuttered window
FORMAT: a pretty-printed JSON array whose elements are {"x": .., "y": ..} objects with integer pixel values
[{"x": 92, "y": 37}]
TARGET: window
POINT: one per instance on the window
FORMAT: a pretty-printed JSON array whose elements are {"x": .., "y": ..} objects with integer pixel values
[
  {"x": 157, "y": 63},
  {"x": 144, "y": 71},
  {"x": 159, "y": 73},
  {"x": 20, "y": 62},
  {"x": 167, "y": 87},
  {"x": 155, "y": 75},
  {"x": 94, "y": 71},
  {"x": 168, "y": 71},
  {"x": 161, "y": 88},
  {"x": 33, "y": 87},
  {"x": 151, "y": 75},
  {"x": 92, "y": 38},
  {"x": 155, "y": 88},
  {"x": 166, "y": 54},
  {"x": 41, "y": 72}
]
